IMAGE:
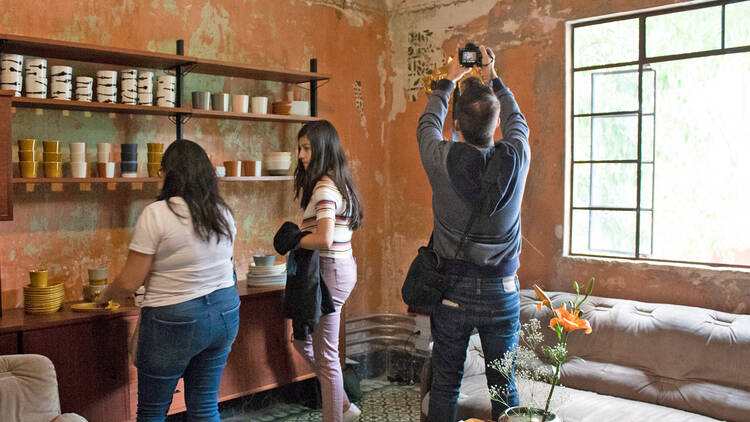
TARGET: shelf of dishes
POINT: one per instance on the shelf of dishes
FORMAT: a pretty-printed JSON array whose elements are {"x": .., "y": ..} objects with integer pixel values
[
  {"x": 55, "y": 49},
  {"x": 53, "y": 104}
]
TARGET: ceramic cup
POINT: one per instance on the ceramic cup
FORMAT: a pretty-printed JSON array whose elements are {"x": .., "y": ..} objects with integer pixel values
[
  {"x": 220, "y": 101},
  {"x": 153, "y": 169},
  {"x": 29, "y": 155},
  {"x": 78, "y": 169},
  {"x": 129, "y": 86},
  {"x": 106, "y": 169},
  {"x": 77, "y": 147},
  {"x": 155, "y": 157},
  {"x": 145, "y": 88},
  {"x": 102, "y": 156},
  {"x": 97, "y": 274},
  {"x": 11, "y": 72},
  {"x": 38, "y": 278},
  {"x": 165, "y": 91},
  {"x": 255, "y": 169},
  {"x": 260, "y": 105},
  {"x": 240, "y": 103},
  {"x": 201, "y": 100},
  {"x": 221, "y": 171},
  {"x": 28, "y": 169},
  {"x": 77, "y": 157},
  {"x": 61, "y": 82},
  {"x": 52, "y": 157},
  {"x": 106, "y": 86},
  {"x": 104, "y": 147},
  {"x": 35, "y": 81},
  {"x": 233, "y": 168},
  {"x": 155, "y": 147},
  {"x": 27, "y": 144},
  {"x": 84, "y": 88},
  {"x": 52, "y": 146},
  {"x": 53, "y": 169}
]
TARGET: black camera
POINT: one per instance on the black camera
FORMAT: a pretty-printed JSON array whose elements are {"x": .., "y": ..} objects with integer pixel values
[{"x": 470, "y": 56}]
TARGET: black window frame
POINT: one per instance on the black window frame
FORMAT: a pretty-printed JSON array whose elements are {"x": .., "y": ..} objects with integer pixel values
[{"x": 642, "y": 65}]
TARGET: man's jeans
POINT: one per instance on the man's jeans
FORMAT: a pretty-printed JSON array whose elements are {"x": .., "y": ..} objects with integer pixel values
[
  {"x": 190, "y": 340},
  {"x": 484, "y": 304}
]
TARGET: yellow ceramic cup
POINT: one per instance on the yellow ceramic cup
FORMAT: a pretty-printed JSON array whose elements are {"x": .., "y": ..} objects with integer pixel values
[
  {"x": 27, "y": 144},
  {"x": 52, "y": 146},
  {"x": 28, "y": 169},
  {"x": 155, "y": 157},
  {"x": 155, "y": 147},
  {"x": 53, "y": 169},
  {"x": 26, "y": 155},
  {"x": 52, "y": 157},
  {"x": 38, "y": 278},
  {"x": 153, "y": 169}
]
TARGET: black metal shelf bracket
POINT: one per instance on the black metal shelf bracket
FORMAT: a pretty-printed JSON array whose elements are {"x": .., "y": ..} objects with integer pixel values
[{"x": 314, "y": 90}]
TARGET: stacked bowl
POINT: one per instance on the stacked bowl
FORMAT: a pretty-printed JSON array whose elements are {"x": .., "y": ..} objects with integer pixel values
[
  {"x": 40, "y": 298},
  {"x": 155, "y": 152},
  {"x": 78, "y": 160},
  {"x": 52, "y": 159},
  {"x": 277, "y": 163},
  {"x": 104, "y": 166},
  {"x": 266, "y": 275},
  {"x": 27, "y": 157},
  {"x": 129, "y": 160}
]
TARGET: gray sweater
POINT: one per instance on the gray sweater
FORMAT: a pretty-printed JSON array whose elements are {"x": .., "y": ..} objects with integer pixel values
[{"x": 455, "y": 170}]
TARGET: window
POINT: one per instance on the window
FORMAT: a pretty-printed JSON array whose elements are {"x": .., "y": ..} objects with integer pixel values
[{"x": 660, "y": 135}]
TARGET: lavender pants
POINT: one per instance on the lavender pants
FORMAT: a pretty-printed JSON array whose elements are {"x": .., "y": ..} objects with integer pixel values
[{"x": 321, "y": 348}]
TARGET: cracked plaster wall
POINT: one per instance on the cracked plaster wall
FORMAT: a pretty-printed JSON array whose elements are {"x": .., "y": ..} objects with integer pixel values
[{"x": 529, "y": 40}]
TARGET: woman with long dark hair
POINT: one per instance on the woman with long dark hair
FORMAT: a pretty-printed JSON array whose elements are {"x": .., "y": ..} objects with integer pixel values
[
  {"x": 182, "y": 250},
  {"x": 332, "y": 209}
]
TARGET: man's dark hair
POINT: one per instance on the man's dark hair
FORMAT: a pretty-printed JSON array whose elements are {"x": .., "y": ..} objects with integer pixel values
[{"x": 476, "y": 108}]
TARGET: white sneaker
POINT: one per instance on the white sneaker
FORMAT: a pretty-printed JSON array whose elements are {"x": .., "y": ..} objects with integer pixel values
[{"x": 352, "y": 413}]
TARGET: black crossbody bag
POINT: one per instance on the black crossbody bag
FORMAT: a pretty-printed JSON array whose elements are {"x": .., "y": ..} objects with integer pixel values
[{"x": 426, "y": 281}]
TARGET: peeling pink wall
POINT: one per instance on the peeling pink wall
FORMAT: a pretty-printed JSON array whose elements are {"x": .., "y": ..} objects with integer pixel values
[
  {"x": 71, "y": 231},
  {"x": 529, "y": 39}
]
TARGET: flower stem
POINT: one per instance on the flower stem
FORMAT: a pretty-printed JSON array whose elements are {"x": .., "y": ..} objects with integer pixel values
[{"x": 552, "y": 389}]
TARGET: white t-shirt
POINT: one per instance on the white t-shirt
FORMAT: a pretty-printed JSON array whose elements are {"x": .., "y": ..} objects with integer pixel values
[{"x": 184, "y": 266}]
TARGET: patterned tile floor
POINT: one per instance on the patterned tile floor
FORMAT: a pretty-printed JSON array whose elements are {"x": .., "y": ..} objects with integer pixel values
[{"x": 382, "y": 401}]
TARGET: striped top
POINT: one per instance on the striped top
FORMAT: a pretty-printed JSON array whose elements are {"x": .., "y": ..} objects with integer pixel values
[{"x": 327, "y": 202}]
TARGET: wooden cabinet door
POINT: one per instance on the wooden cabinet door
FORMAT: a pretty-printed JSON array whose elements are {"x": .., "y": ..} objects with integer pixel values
[
  {"x": 91, "y": 361},
  {"x": 262, "y": 356},
  {"x": 9, "y": 343}
]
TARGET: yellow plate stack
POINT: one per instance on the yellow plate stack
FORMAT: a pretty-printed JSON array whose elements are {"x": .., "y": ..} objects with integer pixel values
[{"x": 43, "y": 300}]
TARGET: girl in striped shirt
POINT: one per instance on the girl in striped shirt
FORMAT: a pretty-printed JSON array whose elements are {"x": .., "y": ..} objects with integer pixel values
[{"x": 332, "y": 209}]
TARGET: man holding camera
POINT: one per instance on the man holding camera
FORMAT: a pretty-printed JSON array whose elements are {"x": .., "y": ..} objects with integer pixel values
[{"x": 477, "y": 188}]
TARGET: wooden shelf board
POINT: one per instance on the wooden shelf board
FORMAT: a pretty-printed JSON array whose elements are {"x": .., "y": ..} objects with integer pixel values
[
  {"x": 142, "y": 179},
  {"x": 256, "y": 179},
  {"x": 54, "y": 49},
  {"x": 211, "y": 114},
  {"x": 238, "y": 70},
  {"x": 48, "y": 103},
  {"x": 87, "y": 180}
]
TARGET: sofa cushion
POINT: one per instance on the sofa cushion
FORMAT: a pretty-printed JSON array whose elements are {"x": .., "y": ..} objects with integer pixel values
[
  {"x": 679, "y": 356},
  {"x": 28, "y": 389},
  {"x": 571, "y": 405}
]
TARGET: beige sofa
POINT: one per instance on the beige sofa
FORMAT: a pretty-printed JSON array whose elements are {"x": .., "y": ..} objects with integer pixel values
[
  {"x": 643, "y": 362},
  {"x": 28, "y": 390}
]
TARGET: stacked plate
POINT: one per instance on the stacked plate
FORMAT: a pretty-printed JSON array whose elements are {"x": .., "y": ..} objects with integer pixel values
[
  {"x": 272, "y": 275},
  {"x": 43, "y": 300},
  {"x": 277, "y": 163}
]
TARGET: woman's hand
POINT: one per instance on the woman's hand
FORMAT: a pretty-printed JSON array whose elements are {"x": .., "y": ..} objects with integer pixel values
[
  {"x": 322, "y": 237},
  {"x": 456, "y": 71},
  {"x": 132, "y": 276}
]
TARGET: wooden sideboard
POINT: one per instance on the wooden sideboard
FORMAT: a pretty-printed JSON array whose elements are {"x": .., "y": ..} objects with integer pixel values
[{"x": 96, "y": 380}]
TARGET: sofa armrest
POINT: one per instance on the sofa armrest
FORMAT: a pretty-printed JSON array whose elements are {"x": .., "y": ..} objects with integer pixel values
[{"x": 69, "y": 417}]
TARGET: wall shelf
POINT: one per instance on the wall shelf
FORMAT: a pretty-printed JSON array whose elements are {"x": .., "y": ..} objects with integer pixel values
[
  {"x": 210, "y": 114},
  {"x": 20, "y": 180},
  {"x": 238, "y": 70},
  {"x": 47, "y": 103}
]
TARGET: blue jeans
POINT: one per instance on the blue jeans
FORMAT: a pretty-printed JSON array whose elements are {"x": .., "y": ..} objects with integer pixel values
[
  {"x": 483, "y": 304},
  {"x": 189, "y": 340}
]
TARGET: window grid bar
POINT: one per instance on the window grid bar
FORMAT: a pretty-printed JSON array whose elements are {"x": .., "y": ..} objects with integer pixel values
[
  {"x": 628, "y": 209},
  {"x": 651, "y": 13},
  {"x": 633, "y": 161},
  {"x": 674, "y": 261},
  {"x": 608, "y": 114},
  {"x": 681, "y": 56},
  {"x": 572, "y": 141},
  {"x": 639, "y": 154},
  {"x": 723, "y": 25}
]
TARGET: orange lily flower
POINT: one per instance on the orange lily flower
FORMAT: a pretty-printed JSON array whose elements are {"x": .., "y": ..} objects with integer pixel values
[
  {"x": 545, "y": 301},
  {"x": 568, "y": 321}
]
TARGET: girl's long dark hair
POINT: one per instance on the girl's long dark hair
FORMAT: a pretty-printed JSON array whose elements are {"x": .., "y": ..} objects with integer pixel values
[
  {"x": 189, "y": 174},
  {"x": 327, "y": 159}
]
